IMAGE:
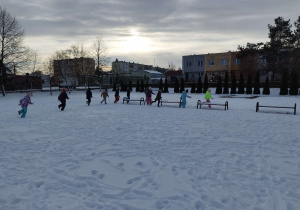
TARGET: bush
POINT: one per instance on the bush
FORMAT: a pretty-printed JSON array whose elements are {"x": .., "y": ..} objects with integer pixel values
[
  {"x": 233, "y": 84},
  {"x": 193, "y": 88},
  {"x": 266, "y": 90},
  {"x": 257, "y": 83},
  {"x": 284, "y": 84},
  {"x": 199, "y": 85},
  {"x": 241, "y": 89},
  {"x": 219, "y": 86},
  {"x": 182, "y": 85},
  {"x": 294, "y": 84},
  {"x": 166, "y": 88},
  {"x": 226, "y": 89},
  {"x": 176, "y": 86},
  {"x": 205, "y": 86},
  {"x": 249, "y": 85}
]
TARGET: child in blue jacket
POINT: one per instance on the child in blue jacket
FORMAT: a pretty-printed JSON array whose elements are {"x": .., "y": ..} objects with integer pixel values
[
  {"x": 24, "y": 104},
  {"x": 184, "y": 95}
]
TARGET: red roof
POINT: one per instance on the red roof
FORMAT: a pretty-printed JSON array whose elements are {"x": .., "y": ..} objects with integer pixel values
[{"x": 173, "y": 73}]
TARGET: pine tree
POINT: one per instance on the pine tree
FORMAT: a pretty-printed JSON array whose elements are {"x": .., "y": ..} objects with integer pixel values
[
  {"x": 226, "y": 89},
  {"x": 142, "y": 86},
  {"x": 137, "y": 86},
  {"x": 284, "y": 84},
  {"x": 122, "y": 85},
  {"x": 182, "y": 85},
  {"x": 114, "y": 86},
  {"x": 241, "y": 89},
  {"x": 199, "y": 85},
  {"x": 193, "y": 88},
  {"x": 219, "y": 86},
  {"x": 266, "y": 90},
  {"x": 205, "y": 85},
  {"x": 233, "y": 83},
  {"x": 294, "y": 84},
  {"x": 257, "y": 83},
  {"x": 176, "y": 86},
  {"x": 249, "y": 85},
  {"x": 125, "y": 86},
  {"x": 130, "y": 85},
  {"x": 160, "y": 84},
  {"x": 166, "y": 88}
]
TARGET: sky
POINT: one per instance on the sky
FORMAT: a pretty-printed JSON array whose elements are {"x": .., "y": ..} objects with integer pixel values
[{"x": 156, "y": 32}]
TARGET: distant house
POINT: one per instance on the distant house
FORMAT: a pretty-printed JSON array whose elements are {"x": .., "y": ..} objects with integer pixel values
[
  {"x": 26, "y": 82},
  {"x": 75, "y": 71},
  {"x": 172, "y": 75},
  {"x": 155, "y": 76}
]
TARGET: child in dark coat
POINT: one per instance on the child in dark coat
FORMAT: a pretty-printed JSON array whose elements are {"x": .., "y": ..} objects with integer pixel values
[
  {"x": 62, "y": 98},
  {"x": 89, "y": 95}
]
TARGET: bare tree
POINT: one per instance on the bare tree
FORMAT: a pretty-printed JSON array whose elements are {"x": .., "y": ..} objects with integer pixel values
[
  {"x": 11, "y": 42},
  {"x": 99, "y": 53},
  {"x": 82, "y": 66}
]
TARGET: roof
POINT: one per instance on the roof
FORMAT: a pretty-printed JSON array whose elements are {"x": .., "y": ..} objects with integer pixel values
[
  {"x": 153, "y": 72},
  {"x": 173, "y": 73}
]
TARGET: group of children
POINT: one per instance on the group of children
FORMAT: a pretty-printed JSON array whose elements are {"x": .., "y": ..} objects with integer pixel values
[{"x": 63, "y": 96}]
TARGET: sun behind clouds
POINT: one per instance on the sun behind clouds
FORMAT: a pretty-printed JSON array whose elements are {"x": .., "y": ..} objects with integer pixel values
[{"x": 136, "y": 43}]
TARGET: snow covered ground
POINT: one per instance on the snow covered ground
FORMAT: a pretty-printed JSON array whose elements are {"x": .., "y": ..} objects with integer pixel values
[{"x": 139, "y": 157}]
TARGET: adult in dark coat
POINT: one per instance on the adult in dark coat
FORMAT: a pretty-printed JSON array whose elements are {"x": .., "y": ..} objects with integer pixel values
[
  {"x": 89, "y": 95},
  {"x": 62, "y": 98}
]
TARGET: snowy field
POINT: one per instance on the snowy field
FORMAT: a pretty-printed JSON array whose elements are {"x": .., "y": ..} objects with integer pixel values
[{"x": 139, "y": 157}]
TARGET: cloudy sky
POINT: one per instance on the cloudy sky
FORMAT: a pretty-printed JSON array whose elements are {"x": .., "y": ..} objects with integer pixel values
[{"x": 154, "y": 32}]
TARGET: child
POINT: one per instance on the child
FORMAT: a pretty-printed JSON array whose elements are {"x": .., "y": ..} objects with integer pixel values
[
  {"x": 149, "y": 93},
  {"x": 208, "y": 97},
  {"x": 24, "y": 104},
  {"x": 62, "y": 98},
  {"x": 158, "y": 97},
  {"x": 89, "y": 95},
  {"x": 104, "y": 94},
  {"x": 117, "y": 95},
  {"x": 128, "y": 95},
  {"x": 183, "y": 97}
]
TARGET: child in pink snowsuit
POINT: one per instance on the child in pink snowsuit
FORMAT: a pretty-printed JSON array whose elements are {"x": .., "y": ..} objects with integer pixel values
[{"x": 149, "y": 95}]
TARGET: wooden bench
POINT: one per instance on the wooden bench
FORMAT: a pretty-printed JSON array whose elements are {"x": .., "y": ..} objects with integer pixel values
[
  {"x": 282, "y": 107},
  {"x": 171, "y": 102},
  {"x": 199, "y": 104},
  {"x": 140, "y": 100}
]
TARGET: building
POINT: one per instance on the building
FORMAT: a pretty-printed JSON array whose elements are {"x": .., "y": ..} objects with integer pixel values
[
  {"x": 119, "y": 67},
  {"x": 73, "y": 72},
  {"x": 155, "y": 76},
  {"x": 212, "y": 64},
  {"x": 172, "y": 75},
  {"x": 193, "y": 66},
  {"x": 126, "y": 71}
]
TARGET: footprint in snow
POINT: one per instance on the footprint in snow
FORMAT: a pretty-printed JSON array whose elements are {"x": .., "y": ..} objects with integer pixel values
[
  {"x": 130, "y": 181},
  {"x": 175, "y": 170},
  {"x": 101, "y": 176},
  {"x": 94, "y": 172}
]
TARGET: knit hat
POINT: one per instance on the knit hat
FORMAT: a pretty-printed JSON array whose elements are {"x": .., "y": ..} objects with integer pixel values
[{"x": 64, "y": 90}]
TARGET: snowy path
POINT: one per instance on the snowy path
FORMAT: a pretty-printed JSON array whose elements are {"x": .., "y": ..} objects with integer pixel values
[{"x": 120, "y": 156}]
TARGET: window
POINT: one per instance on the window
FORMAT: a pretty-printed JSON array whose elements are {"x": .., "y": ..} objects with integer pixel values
[
  {"x": 200, "y": 63},
  {"x": 211, "y": 63},
  {"x": 223, "y": 62},
  {"x": 188, "y": 63},
  {"x": 237, "y": 61}
]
